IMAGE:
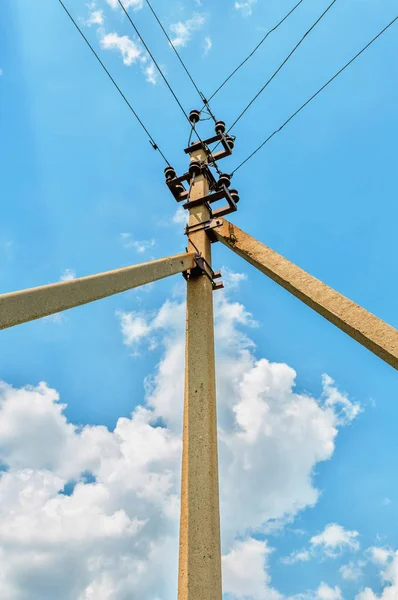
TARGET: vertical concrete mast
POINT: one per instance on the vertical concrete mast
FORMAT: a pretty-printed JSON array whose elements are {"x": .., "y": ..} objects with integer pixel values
[{"x": 200, "y": 551}]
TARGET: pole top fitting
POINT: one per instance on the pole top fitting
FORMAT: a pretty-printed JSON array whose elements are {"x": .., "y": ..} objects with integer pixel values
[
  {"x": 169, "y": 173},
  {"x": 220, "y": 127},
  {"x": 195, "y": 168},
  {"x": 224, "y": 179},
  {"x": 194, "y": 117}
]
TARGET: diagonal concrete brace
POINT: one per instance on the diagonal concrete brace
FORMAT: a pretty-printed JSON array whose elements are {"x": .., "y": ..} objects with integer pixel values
[
  {"x": 367, "y": 329},
  {"x": 28, "y": 305}
]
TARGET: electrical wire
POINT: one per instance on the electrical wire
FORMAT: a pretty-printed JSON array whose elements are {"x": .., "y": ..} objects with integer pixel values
[
  {"x": 151, "y": 139},
  {"x": 314, "y": 95},
  {"x": 282, "y": 64},
  {"x": 201, "y": 95},
  {"x": 164, "y": 77},
  {"x": 153, "y": 58},
  {"x": 255, "y": 49}
]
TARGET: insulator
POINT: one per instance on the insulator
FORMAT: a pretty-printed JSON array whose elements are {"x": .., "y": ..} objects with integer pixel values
[
  {"x": 179, "y": 188},
  {"x": 220, "y": 127},
  {"x": 194, "y": 117},
  {"x": 230, "y": 142},
  {"x": 195, "y": 168},
  {"x": 224, "y": 179},
  {"x": 170, "y": 173},
  {"x": 234, "y": 195}
]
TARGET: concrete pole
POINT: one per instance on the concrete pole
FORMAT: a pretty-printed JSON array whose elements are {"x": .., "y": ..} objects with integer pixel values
[
  {"x": 364, "y": 327},
  {"x": 200, "y": 550},
  {"x": 31, "y": 304}
]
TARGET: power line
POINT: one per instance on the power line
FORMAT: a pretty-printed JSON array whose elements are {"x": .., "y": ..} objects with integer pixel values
[
  {"x": 255, "y": 49},
  {"x": 201, "y": 95},
  {"x": 163, "y": 76},
  {"x": 315, "y": 95},
  {"x": 283, "y": 64},
  {"x": 152, "y": 141},
  {"x": 153, "y": 58}
]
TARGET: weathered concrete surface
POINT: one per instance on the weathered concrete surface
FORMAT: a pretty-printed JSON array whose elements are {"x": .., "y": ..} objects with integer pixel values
[
  {"x": 200, "y": 551},
  {"x": 27, "y": 305},
  {"x": 370, "y": 331}
]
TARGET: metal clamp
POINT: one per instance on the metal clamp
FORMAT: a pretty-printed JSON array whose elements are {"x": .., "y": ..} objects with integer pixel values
[{"x": 203, "y": 268}]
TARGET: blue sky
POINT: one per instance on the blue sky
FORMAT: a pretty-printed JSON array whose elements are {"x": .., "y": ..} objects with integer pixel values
[{"x": 78, "y": 172}]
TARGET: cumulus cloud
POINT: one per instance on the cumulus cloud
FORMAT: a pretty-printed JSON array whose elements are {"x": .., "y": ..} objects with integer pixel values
[
  {"x": 380, "y": 556},
  {"x": 334, "y": 538},
  {"x": 68, "y": 275},
  {"x": 245, "y": 571},
  {"x": 183, "y": 30},
  {"x": 180, "y": 217},
  {"x": 389, "y": 576},
  {"x": 245, "y": 7},
  {"x": 207, "y": 46},
  {"x": 87, "y": 513},
  {"x": 332, "y": 541},
  {"x": 129, "y": 50},
  {"x": 140, "y": 246},
  {"x": 325, "y": 592},
  {"x": 352, "y": 571},
  {"x": 134, "y": 4}
]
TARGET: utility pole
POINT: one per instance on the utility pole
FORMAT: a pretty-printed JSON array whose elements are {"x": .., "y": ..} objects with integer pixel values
[
  {"x": 200, "y": 550},
  {"x": 200, "y": 547}
]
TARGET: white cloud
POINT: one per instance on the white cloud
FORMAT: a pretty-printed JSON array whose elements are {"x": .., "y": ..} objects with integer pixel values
[
  {"x": 389, "y": 576},
  {"x": 208, "y": 44},
  {"x": 151, "y": 74},
  {"x": 325, "y": 592},
  {"x": 183, "y": 29},
  {"x": 129, "y": 50},
  {"x": 140, "y": 246},
  {"x": 107, "y": 536},
  {"x": 95, "y": 17},
  {"x": 380, "y": 556},
  {"x": 334, "y": 538},
  {"x": 68, "y": 275},
  {"x": 135, "y": 4},
  {"x": 181, "y": 216},
  {"x": 245, "y": 571},
  {"x": 352, "y": 571},
  {"x": 295, "y": 557},
  {"x": 245, "y": 7}
]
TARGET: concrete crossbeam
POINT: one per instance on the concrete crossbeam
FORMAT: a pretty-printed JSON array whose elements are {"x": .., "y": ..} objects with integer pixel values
[
  {"x": 367, "y": 329},
  {"x": 28, "y": 305}
]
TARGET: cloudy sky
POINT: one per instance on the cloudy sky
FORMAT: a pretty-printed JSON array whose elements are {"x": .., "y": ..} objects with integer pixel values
[{"x": 91, "y": 400}]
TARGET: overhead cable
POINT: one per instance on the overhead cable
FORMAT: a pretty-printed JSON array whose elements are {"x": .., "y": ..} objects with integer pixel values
[
  {"x": 163, "y": 75},
  {"x": 315, "y": 95},
  {"x": 151, "y": 139},
  {"x": 282, "y": 64},
  {"x": 201, "y": 95},
  {"x": 255, "y": 49}
]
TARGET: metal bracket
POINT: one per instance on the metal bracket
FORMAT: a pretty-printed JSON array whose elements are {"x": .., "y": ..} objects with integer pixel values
[
  {"x": 203, "y": 268},
  {"x": 204, "y": 145},
  {"x": 206, "y": 226},
  {"x": 223, "y": 192}
]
